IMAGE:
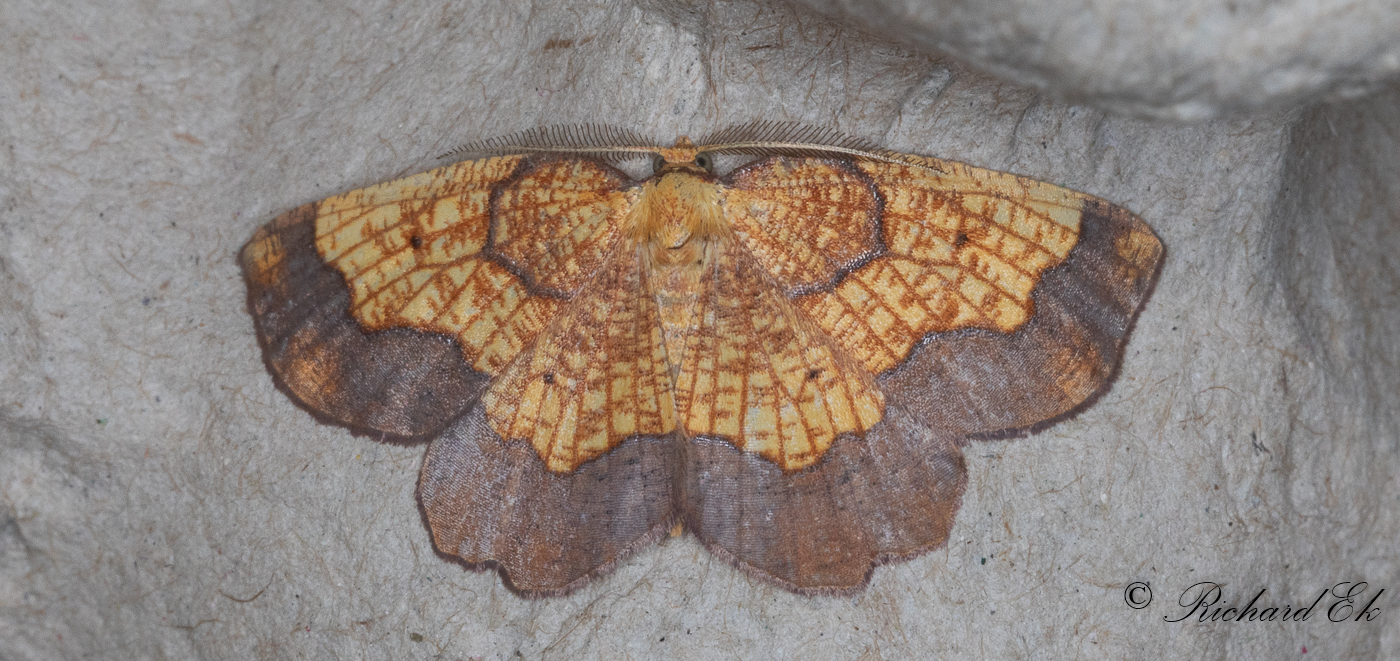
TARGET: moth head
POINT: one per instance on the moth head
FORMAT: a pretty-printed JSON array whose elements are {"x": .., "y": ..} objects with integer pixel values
[{"x": 684, "y": 156}]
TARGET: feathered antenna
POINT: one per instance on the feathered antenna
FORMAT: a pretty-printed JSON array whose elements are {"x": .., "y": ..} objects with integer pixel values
[
  {"x": 769, "y": 138},
  {"x": 605, "y": 143}
]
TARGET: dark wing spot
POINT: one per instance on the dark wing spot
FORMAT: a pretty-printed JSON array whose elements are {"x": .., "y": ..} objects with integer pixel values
[
  {"x": 549, "y": 378},
  {"x": 416, "y": 241},
  {"x": 813, "y": 374}
]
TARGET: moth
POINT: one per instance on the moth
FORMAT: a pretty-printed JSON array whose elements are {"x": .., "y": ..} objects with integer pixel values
[{"x": 783, "y": 361}]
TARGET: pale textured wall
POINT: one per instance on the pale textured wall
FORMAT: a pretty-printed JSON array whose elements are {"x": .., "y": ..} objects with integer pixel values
[
  {"x": 159, "y": 498},
  {"x": 1186, "y": 60}
]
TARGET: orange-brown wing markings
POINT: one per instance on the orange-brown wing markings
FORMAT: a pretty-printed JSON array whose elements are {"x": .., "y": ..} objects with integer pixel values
[
  {"x": 757, "y": 373},
  {"x": 417, "y": 252},
  {"x": 488, "y": 310},
  {"x": 965, "y": 248},
  {"x": 374, "y": 236},
  {"x": 555, "y": 223},
  {"x": 809, "y": 222},
  {"x": 594, "y": 377}
]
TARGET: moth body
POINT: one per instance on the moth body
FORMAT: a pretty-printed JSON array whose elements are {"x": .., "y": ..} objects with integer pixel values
[{"x": 678, "y": 225}]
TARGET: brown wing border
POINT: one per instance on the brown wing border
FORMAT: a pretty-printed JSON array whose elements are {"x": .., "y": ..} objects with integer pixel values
[
  {"x": 886, "y": 496},
  {"x": 499, "y": 462},
  {"x": 301, "y": 313}
]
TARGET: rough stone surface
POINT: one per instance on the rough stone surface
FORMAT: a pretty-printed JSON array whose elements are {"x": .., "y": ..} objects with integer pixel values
[
  {"x": 159, "y": 498},
  {"x": 1188, "y": 60}
]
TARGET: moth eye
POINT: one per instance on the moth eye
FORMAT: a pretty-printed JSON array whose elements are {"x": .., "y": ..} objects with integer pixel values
[
  {"x": 657, "y": 162},
  {"x": 704, "y": 160}
]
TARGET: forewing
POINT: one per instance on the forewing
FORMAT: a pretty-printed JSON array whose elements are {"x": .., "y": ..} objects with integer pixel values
[
  {"x": 1061, "y": 359},
  {"x": 1043, "y": 281},
  {"x": 758, "y": 374},
  {"x": 399, "y": 382},
  {"x": 596, "y": 376},
  {"x": 349, "y": 292},
  {"x": 1024, "y": 291}
]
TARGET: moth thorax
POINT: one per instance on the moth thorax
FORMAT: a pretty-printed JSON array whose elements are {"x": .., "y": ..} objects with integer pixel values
[{"x": 677, "y": 213}]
